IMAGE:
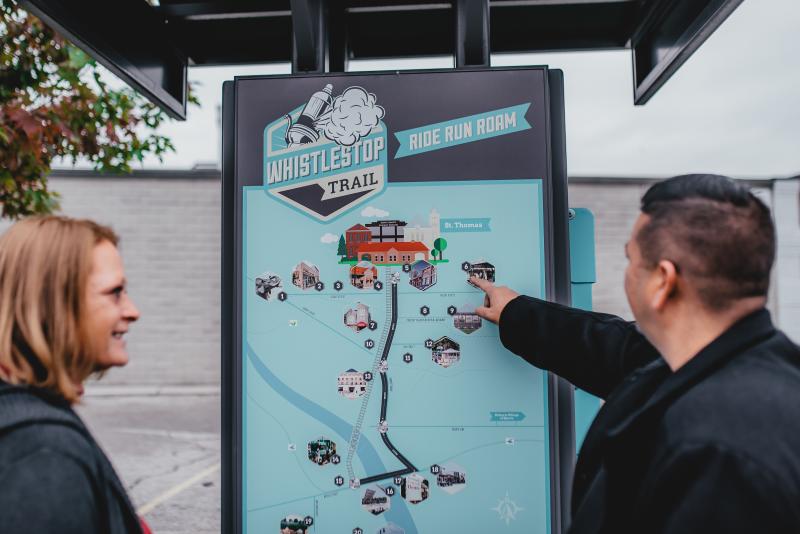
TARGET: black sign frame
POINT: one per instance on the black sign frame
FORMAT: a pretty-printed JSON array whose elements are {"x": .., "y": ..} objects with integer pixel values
[{"x": 557, "y": 283}]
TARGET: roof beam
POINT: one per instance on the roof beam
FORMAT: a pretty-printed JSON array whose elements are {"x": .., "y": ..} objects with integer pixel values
[
  {"x": 309, "y": 30},
  {"x": 138, "y": 51},
  {"x": 670, "y": 32},
  {"x": 472, "y": 33}
]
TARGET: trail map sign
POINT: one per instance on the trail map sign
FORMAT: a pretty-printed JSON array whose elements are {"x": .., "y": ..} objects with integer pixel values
[{"x": 364, "y": 394}]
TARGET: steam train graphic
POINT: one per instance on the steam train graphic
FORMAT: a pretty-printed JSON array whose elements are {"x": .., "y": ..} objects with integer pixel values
[{"x": 344, "y": 119}]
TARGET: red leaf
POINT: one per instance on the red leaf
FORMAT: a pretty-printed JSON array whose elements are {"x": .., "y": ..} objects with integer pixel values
[{"x": 29, "y": 124}]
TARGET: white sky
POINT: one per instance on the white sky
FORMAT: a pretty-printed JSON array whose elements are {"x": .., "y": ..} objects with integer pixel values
[{"x": 733, "y": 108}]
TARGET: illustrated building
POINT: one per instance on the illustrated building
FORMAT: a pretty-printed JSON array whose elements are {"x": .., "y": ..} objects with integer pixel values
[
  {"x": 450, "y": 479},
  {"x": 467, "y": 322},
  {"x": 387, "y": 231},
  {"x": 363, "y": 275},
  {"x": 483, "y": 270},
  {"x": 376, "y": 503},
  {"x": 445, "y": 351},
  {"x": 266, "y": 283},
  {"x": 391, "y": 252},
  {"x": 352, "y": 384},
  {"x": 321, "y": 451},
  {"x": 426, "y": 234},
  {"x": 354, "y": 237},
  {"x": 293, "y": 524},
  {"x": 422, "y": 275},
  {"x": 305, "y": 275},
  {"x": 414, "y": 489},
  {"x": 357, "y": 318}
]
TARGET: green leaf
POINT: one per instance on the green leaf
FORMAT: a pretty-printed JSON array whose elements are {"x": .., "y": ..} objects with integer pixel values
[{"x": 77, "y": 57}]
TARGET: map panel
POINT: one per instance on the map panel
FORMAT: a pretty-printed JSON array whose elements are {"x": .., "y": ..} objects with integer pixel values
[{"x": 374, "y": 399}]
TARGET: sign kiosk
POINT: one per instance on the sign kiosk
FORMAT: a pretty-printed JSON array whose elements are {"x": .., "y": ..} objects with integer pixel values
[{"x": 361, "y": 392}]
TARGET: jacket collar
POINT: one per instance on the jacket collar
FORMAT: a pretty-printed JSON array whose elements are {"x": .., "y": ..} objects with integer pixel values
[
  {"x": 25, "y": 405},
  {"x": 746, "y": 332}
]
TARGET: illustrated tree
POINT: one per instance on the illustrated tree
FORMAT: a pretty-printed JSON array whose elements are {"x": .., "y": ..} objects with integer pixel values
[
  {"x": 440, "y": 245},
  {"x": 342, "y": 250},
  {"x": 55, "y": 104}
]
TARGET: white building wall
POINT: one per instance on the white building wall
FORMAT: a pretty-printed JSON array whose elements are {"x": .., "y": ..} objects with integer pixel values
[
  {"x": 170, "y": 228},
  {"x": 615, "y": 205},
  {"x": 786, "y": 275},
  {"x": 170, "y": 231}
]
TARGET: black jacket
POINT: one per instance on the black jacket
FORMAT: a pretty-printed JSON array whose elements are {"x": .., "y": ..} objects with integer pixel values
[
  {"x": 53, "y": 476},
  {"x": 713, "y": 447}
]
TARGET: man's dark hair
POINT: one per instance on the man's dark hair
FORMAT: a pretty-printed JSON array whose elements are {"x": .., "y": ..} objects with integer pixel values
[{"x": 718, "y": 234}]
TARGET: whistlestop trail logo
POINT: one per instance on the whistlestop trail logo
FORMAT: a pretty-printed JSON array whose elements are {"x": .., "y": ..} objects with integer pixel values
[{"x": 328, "y": 155}]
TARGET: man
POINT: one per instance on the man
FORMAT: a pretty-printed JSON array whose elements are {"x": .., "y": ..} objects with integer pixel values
[{"x": 700, "y": 431}]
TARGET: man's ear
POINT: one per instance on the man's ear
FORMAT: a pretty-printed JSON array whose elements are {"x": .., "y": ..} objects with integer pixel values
[{"x": 666, "y": 283}]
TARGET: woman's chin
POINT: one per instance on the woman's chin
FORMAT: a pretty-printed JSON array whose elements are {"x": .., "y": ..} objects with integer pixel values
[{"x": 115, "y": 359}]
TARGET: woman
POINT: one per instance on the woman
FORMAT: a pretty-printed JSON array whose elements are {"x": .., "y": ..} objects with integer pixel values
[{"x": 64, "y": 312}]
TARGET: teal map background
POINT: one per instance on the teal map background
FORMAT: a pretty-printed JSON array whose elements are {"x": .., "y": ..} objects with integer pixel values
[{"x": 295, "y": 350}]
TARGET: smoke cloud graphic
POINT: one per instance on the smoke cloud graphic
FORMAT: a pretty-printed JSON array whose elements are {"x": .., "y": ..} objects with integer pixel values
[
  {"x": 329, "y": 238},
  {"x": 353, "y": 115}
]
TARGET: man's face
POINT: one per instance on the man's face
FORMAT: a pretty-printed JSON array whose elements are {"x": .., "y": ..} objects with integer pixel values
[{"x": 639, "y": 279}]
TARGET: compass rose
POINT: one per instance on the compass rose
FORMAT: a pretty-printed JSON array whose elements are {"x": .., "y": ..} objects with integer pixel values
[{"x": 507, "y": 509}]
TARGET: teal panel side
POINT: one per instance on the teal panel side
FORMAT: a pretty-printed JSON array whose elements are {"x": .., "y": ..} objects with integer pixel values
[
  {"x": 581, "y": 248},
  {"x": 583, "y": 275}
]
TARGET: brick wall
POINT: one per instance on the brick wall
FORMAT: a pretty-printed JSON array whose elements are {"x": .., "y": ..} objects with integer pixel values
[
  {"x": 786, "y": 278},
  {"x": 615, "y": 205},
  {"x": 170, "y": 228}
]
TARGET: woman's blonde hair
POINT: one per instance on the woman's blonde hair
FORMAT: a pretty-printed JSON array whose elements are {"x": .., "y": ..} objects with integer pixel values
[{"x": 45, "y": 263}]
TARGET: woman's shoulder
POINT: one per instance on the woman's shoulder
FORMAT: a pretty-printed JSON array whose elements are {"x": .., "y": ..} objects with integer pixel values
[{"x": 32, "y": 422}]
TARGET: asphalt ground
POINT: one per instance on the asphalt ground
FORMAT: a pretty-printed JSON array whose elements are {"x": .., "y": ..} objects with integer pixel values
[{"x": 165, "y": 446}]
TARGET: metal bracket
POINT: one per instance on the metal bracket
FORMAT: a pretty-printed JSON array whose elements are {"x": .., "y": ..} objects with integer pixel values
[
  {"x": 472, "y": 33},
  {"x": 309, "y": 31},
  {"x": 140, "y": 51},
  {"x": 669, "y": 33}
]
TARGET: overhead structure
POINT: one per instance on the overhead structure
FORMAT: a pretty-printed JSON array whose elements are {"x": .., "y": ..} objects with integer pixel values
[{"x": 160, "y": 38}]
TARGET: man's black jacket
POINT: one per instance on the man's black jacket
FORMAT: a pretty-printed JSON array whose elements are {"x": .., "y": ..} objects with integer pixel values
[
  {"x": 54, "y": 478},
  {"x": 713, "y": 447}
]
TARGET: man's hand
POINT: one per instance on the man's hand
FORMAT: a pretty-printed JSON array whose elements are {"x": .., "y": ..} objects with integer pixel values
[{"x": 495, "y": 300}]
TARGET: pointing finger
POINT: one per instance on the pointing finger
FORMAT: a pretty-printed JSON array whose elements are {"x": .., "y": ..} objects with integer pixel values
[{"x": 485, "y": 285}]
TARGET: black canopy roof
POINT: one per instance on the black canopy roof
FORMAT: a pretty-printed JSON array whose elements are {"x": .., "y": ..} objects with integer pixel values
[{"x": 150, "y": 46}]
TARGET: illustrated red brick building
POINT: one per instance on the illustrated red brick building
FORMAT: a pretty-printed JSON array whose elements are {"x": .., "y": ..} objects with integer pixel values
[
  {"x": 363, "y": 275},
  {"x": 354, "y": 237},
  {"x": 400, "y": 252}
]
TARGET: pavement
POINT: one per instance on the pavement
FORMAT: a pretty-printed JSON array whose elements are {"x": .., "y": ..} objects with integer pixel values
[{"x": 164, "y": 442}]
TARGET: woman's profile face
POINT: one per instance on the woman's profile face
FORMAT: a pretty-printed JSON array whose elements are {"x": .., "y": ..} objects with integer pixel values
[{"x": 109, "y": 309}]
